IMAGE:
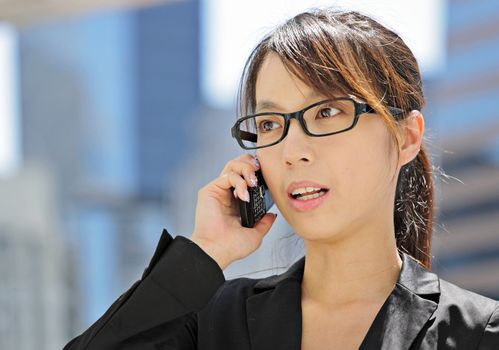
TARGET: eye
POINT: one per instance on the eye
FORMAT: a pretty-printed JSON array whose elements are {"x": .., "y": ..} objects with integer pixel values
[
  {"x": 328, "y": 112},
  {"x": 267, "y": 125}
]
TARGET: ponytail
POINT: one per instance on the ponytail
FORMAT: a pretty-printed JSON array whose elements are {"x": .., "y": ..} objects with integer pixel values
[{"x": 414, "y": 209}]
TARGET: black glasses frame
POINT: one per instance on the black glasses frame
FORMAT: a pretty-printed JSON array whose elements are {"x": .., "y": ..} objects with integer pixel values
[{"x": 360, "y": 108}]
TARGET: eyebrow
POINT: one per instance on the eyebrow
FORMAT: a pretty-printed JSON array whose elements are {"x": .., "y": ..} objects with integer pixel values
[{"x": 267, "y": 104}]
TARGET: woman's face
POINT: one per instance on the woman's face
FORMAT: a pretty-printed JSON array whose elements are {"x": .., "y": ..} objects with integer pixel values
[{"x": 356, "y": 166}]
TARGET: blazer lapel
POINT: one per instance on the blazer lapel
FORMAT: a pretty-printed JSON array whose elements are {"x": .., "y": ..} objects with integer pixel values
[
  {"x": 274, "y": 312},
  {"x": 406, "y": 310}
]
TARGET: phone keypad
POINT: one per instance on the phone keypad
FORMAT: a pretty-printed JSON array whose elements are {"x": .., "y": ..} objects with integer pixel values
[{"x": 258, "y": 202}]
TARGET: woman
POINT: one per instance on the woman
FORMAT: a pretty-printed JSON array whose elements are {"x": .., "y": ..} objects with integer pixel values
[{"x": 350, "y": 174}]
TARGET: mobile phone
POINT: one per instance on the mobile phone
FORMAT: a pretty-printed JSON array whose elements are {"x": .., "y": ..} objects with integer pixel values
[{"x": 260, "y": 202}]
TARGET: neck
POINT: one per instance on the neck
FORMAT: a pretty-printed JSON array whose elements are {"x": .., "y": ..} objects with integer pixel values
[{"x": 361, "y": 268}]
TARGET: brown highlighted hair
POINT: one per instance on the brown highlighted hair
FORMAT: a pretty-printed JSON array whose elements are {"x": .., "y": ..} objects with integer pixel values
[{"x": 333, "y": 50}]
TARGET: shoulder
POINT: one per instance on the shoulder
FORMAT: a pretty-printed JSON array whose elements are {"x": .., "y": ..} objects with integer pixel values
[
  {"x": 462, "y": 310},
  {"x": 243, "y": 288},
  {"x": 453, "y": 303},
  {"x": 466, "y": 301},
  {"x": 233, "y": 293}
]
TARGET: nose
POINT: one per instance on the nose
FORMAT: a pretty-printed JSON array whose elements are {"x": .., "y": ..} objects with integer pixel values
[{"x": 296, "y": 146}]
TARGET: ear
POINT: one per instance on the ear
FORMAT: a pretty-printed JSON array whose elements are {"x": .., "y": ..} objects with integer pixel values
[{"x": 412, "y": 132}]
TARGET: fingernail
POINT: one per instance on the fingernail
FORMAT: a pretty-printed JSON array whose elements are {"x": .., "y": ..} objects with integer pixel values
[
  {"x": 253, "y": 180},
  {"x": 234, "y": 193},
  {"x": 256, "y": 162},
  {"x": 246, "y": 196}
]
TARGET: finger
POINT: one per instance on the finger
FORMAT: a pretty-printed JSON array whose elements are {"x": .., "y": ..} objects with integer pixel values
[
  {"x": 247, "y": 170},
  {"x": 265, "y": 223},
  {"x": 227, "y": 181},
  {"x": 236, "y": 164},
  {"x": 241, "y": 186}
]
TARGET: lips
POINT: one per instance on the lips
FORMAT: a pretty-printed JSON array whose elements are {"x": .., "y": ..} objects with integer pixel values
[
  {"x": 304, "y": 184},
  {"x": 305, "y": 195},
  {"x": 309, "y": 194}
]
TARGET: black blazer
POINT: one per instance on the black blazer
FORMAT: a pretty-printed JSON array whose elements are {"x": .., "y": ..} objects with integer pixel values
[{"x": 183, "y": 302}]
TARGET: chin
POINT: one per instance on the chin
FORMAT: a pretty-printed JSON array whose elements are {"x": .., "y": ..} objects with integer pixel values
[{"x": 316, "y": 231}]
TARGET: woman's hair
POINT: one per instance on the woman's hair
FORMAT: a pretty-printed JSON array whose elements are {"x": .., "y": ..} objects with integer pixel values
[{"x": 333, "y": 50}]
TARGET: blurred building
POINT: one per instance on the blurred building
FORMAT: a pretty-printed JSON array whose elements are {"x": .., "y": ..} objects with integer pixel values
[
  {"x": 463, "y": 105},
  {"x": 106, "y": 103},
  {"x": 35, "y": 307}
]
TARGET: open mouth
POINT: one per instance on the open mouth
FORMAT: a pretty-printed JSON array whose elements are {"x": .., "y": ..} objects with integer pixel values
[{"x": 309, "y": 194}]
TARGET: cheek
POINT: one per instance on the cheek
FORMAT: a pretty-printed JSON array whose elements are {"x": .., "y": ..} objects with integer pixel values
[
  {"x": 381, "y": 169},
  {"x": 275, "y": 175},
  {"x": 270, "y": 169},
  {"x": 367, "y": 171}
]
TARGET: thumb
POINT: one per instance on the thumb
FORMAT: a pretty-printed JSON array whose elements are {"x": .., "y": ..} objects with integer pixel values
[{"x": 263, "y": 226}]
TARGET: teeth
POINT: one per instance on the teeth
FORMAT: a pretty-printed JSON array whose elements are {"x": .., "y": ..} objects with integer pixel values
[
  {"x": 304, "y": 190},
  {"x": 311, "y": 196}
]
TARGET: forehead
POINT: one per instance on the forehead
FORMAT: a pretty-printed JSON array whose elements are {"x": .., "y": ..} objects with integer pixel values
[{"x": 276, "y": 86}]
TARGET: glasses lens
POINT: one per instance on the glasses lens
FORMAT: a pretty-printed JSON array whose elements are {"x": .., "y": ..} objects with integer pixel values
[
  {"x": 330, "y": 116},
  {"x": 261, "y": 130}
]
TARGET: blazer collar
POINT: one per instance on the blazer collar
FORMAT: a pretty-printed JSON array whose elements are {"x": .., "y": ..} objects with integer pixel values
[{"x": 275, "y": 319}]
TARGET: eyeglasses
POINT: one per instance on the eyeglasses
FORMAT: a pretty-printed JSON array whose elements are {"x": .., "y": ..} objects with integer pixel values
[{"x": 323, "y": 118}]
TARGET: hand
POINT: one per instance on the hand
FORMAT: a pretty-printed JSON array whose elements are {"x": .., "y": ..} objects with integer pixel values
[{"x": 218, "y": 230}]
